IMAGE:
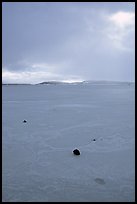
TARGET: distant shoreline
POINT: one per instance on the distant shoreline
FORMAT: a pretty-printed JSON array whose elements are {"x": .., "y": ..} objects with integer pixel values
[
  {"x": 15, "y": 84},
  {"x": 73, "y": 83}
]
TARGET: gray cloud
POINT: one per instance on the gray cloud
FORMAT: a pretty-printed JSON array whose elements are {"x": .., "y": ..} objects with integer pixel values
[{"x": 67, "y": 40}]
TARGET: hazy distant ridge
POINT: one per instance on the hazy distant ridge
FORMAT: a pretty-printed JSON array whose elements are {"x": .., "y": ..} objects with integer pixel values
[{"x": 81, "y": 82}]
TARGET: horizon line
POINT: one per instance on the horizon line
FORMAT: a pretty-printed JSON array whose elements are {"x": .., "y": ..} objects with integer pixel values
[{"x": 67, "y": 82}]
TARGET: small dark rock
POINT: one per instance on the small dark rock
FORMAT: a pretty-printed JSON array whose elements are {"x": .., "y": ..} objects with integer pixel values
[
  {"x": 94, "y": 139},
  {"x": 76, "y": 152},
  {"x": 24, "y": 121}
]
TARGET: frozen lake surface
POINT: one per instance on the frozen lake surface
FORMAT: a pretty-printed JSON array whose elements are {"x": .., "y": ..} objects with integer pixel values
[{"x": 37, "y": 159}]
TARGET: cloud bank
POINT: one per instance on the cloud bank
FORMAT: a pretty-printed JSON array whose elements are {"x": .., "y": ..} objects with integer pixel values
[{"x": 68, "y": 41}]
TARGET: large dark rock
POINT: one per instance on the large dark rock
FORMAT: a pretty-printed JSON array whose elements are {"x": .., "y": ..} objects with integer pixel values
[
  {"x": 24, "y": 121},
  {"x": 76, "y": 152}
]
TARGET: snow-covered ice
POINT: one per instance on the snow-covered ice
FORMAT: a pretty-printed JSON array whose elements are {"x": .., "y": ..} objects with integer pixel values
[{"x": 37, "y": 159}]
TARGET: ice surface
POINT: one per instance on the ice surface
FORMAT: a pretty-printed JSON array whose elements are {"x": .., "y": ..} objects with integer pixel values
[{"x": 38, "y": 163}]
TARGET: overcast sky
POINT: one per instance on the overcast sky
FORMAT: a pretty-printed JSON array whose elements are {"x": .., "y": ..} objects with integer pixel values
[{"x": 68, "y": 41}]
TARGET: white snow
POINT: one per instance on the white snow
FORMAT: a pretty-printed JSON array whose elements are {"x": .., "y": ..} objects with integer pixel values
[{"x": 37, "y": 159}]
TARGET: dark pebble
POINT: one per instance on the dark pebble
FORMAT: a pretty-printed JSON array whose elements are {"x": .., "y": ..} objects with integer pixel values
[{"x": 76, "y": 152}]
